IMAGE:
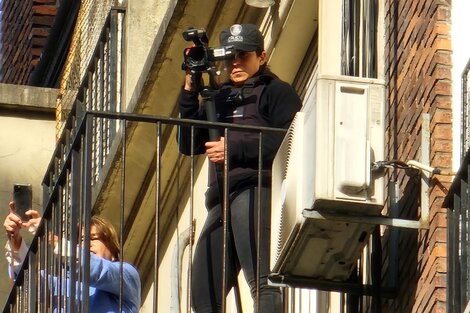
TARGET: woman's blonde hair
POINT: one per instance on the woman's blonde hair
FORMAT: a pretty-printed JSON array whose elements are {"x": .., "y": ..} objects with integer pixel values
[{"x": 107, "y": 234}]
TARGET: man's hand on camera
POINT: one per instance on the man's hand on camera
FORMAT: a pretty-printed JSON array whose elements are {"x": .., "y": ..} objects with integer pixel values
[
  {"x": 215, "y": 150},
  {"x": 188, "y": 81}
]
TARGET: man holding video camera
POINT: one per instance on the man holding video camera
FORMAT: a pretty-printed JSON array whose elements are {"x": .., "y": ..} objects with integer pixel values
[{"x": 255, "y": 96}]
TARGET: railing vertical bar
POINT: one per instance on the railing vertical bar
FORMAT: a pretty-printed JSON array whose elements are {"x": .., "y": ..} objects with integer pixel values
[
  {"x": 87, "y": 182},
  {"x": 26, "y": 290},
  {"x": 49, "y": 261},
  {"x": 67, "y": 229},
  {"x": 80, "y": 217},
  {"x": 112, "y": 50},
  {"x": 64, "y": 223},
  {"x": 258, "y": 231},
  {"x": 35, "y": 274},
  {"x": 40, "y": 292},
  {"x": 451, "y": 252},
  {"x": 54, "y": 266},
  {"x": 226, "y": 223},
  {"x": 66, "y": 239},
  {"x": 98, "y": 147},
  {"x": 463, "y": 239},
  {"x": 157, "y": 215},
  {"x": 19, "y": 299},
  {"x": 105, "y": 134},
  {"x": 457, "y": 280},
  {"x": 74, "y": 208},
  {"x": 58, "y": 229},
  {"x": 100, "y": 90},
  {"x": 101, "y": 79},
  {"x": 44, "y": 266},
  {"x": 121, "y": 211},
  {"x": 39, "y": 279},
  {"x": 106, "y": 71},
  {"x": 191, "y": 222},
  {"x": 89, "y": 100},
  {"x": 120, "y": 53}
]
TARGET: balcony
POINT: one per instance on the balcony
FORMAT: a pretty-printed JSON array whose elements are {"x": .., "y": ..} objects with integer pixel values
[{"x": 68, "y": 189}]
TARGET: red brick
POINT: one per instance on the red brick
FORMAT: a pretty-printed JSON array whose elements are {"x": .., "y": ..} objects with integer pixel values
[{"x": 45, "y": 9}]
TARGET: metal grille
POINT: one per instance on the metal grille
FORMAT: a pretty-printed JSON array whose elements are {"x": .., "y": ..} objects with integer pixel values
[
  {"x": 359, "y": 47},
  {"x": 101, "y": 90},
  {"x": 458, "y": 243},
  {"x": 465, "y": 135},
  {"x": 458, "y": 217}
]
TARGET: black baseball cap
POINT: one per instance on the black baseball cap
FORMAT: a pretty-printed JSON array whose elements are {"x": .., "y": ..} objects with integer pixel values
[{"x": 244, "y": 37}]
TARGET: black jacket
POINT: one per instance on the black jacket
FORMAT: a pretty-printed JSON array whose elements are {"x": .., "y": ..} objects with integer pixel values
[{"x": 264, "y": 100}]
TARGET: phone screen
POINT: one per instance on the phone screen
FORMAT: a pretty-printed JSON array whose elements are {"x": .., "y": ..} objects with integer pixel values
[{"x": 23, "y": 198}]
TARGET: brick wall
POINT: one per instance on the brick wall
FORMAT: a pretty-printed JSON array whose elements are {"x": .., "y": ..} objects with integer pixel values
[
  {"x": 418, "y": 73},
  {"x": 16, "y": 56},
  {"x": 25, "y": 26}
]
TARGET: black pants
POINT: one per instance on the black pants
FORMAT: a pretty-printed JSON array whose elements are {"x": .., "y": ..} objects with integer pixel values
[{"x": 206, "y": 284}]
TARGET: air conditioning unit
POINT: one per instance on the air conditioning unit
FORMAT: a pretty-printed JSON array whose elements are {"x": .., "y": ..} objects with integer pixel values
[{"x": 324, "y": 164}]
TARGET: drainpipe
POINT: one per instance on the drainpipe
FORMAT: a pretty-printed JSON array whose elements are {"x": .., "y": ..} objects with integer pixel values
[{"x": 176, "y": 265}]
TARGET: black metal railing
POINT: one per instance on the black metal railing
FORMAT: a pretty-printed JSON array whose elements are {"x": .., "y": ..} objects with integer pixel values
[
  {"x": 68, "y": 208},
  {"x": 458, "y": 243},
  {"x": 458, "y": 216}
]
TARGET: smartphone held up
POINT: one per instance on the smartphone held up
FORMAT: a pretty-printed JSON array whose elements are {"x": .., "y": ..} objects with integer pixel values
[{"x": 23, "y": 199}]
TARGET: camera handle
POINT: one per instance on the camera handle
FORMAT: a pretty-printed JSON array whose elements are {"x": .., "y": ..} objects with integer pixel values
[
  {"x": 207, "y": 94},
  {"x": 209, "y": 106}
]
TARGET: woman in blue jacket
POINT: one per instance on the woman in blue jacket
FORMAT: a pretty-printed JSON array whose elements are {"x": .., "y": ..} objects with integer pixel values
[{"x": 104, "y": 263}]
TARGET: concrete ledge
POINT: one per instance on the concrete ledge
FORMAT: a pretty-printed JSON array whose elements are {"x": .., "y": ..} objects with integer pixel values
[{"x": 28, "y": 97}]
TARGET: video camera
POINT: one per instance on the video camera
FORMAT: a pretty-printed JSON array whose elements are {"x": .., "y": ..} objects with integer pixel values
[{"x": 200, "y": 58}]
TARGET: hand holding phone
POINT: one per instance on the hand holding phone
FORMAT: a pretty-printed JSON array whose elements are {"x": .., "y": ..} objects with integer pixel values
[{"x": 23, "y": 199}]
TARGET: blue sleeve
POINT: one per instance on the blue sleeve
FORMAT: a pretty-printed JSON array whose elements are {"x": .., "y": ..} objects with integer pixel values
[{"x": 104, "y": 275}]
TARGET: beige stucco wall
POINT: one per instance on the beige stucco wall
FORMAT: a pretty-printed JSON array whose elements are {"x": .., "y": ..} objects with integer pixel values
[{"x": 27, "y": 140}]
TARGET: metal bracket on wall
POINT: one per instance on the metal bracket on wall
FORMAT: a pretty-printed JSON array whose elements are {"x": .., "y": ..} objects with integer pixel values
[
  {"x": 425, "y": 176},
  {"x": 425, "y": 170}
]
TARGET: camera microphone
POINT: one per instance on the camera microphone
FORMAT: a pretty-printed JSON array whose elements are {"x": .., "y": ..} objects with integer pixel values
[{"x": 198, "y": 36}]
